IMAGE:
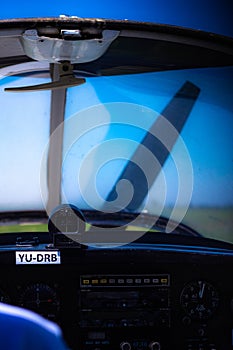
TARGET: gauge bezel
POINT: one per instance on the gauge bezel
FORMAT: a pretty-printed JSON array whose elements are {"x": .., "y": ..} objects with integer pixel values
[
  {"x": 204, "y": 301},
  {"x": 38, "y": 289}
]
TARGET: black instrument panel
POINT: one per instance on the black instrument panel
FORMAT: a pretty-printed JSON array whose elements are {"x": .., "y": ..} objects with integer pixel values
[{"x": 126, "y": 298}]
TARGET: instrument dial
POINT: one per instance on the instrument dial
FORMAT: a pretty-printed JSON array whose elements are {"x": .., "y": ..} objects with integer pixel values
[
  {"x": 42, "y": 299},
  {"x": 199, "y": 299}
]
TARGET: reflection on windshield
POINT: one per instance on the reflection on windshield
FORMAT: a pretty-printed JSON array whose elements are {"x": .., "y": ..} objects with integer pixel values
[{"x": 106, "y": 120}]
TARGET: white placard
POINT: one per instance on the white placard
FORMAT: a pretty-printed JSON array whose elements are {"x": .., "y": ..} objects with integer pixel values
[{"x": 37, "y": 257}]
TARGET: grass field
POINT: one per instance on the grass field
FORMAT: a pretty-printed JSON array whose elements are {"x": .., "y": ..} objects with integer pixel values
[
  {"x": 214, "y": 223},
  {"x": 24, "y": 228}
]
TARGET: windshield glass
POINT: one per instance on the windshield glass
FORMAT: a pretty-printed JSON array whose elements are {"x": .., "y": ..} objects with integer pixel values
[
  {"x": 108, "y": 161},
  {"x": 24, "y": 133}
]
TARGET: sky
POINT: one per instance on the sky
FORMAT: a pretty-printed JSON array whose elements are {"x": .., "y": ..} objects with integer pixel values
[
  {"x": 210, "y": 15},
  {"x": 126, "y": 102}
]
